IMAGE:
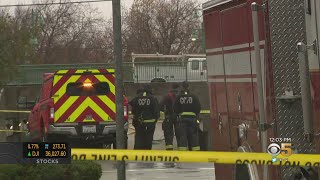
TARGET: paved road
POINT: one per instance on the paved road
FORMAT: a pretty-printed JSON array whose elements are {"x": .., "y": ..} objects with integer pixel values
[
  {"x": 147, "y": 171},
  {"x": 143, "y": 171}
]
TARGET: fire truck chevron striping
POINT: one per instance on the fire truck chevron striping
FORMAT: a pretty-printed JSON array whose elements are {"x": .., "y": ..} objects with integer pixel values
[
  {"x": 74, "y": 108},
  {"x": 188, "y": 156}
]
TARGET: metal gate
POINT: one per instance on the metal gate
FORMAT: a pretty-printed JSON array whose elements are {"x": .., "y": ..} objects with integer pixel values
[{"x": 170, "y": 71}]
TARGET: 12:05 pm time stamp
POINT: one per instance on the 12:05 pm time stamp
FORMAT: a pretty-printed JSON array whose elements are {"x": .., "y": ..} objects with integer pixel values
[{"x": 281, "y": 146}]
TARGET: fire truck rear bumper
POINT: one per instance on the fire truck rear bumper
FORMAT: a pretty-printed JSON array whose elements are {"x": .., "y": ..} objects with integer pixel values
[{"x": 75, "y": 130}]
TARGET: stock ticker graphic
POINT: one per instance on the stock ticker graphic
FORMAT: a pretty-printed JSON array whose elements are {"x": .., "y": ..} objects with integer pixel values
[
  {"x": 278, "y": 146},
  {"x": 35, "y": 153}
]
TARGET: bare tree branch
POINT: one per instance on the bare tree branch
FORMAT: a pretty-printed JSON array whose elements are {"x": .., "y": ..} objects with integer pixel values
[{"x": 161, "y": 26}]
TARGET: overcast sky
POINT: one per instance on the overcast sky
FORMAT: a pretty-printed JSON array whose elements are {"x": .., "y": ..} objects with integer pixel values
[{"x": 104, "y": 7}]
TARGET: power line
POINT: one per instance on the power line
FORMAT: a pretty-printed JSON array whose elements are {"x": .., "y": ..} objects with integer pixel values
[{"x": 53, "y": 3}]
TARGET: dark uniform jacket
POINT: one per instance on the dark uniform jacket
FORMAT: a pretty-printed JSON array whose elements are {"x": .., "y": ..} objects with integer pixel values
[
  {"x": 187, "y": 102},
  {"x": 145, "y": 107},
  {"x": 166, "y": 104}
]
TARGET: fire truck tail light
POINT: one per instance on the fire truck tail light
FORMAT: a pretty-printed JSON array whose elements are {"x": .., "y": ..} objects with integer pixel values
[
  {"x": 125, "y": 113},
  {"x": 51, "y": 113}
]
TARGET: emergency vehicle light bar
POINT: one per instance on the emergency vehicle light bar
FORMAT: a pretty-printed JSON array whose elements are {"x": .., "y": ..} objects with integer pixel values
[{"x": 87, "y": 84}]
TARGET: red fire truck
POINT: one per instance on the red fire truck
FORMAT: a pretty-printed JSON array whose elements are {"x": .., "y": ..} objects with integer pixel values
[{"x": 273, "y": 98}]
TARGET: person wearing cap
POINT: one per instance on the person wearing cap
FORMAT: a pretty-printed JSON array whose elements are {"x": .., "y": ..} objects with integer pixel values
[
  {"x": 169, "y": 125},
  {"x": 145, "y": 110},
  {"x": 187, "y": 106}
]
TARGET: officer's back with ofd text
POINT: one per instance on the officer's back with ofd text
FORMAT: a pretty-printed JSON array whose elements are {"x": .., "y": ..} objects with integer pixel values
[
  {"x": 145, "y": 108},
  {"x": 187, "y": 106}
]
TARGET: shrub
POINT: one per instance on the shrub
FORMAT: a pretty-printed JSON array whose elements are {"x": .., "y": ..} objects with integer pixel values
[{"x": 77, "y": 170}]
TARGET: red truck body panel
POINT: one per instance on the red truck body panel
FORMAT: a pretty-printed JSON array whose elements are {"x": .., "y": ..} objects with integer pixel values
[
  {"x": 39, "y": 118},
  {"x": 232, "y": 79}
]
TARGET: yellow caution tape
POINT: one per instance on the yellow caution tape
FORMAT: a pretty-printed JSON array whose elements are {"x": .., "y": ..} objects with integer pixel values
[
  {"x": 192, "y": 156},
  {"x": 205, "y": 112},
  {"x": 19, "y": 111},
  {"x": 13, "y": 111},
  {"x": 201, "y": 112},
  {"x": 10, "y": 130}
]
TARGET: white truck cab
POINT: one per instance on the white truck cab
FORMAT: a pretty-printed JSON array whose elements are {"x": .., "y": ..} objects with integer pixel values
[
  {"x": 169, "y": 68},
  {"x": 197, "y": 69}
]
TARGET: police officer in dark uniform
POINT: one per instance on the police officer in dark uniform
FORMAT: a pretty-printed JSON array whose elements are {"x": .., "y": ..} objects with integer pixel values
[
  {"x": 133, "y": 109},
  {"x": 169, "y": 125},
  {"x": 145, "y": 109},
  {"x": 187, "y": 106}
]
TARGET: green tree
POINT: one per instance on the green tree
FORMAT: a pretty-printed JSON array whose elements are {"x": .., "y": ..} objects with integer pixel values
[{"x": 15, "y": 47}]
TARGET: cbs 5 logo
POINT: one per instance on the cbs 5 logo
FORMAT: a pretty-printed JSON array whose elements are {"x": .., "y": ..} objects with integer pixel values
[{"x": 285, "y": 149}]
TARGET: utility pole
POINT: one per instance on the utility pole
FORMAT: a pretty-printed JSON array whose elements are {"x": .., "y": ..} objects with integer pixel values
[{"x": 117, "y": 46}]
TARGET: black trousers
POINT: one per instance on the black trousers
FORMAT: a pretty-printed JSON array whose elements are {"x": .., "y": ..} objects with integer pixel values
[
  {"x": 188, "y": 134},
  {"x": 144, "y": 135},
  {"x": 170, "y": 129}
]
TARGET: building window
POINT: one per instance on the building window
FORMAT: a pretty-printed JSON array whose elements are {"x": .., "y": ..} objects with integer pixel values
[
  {"x": 204, "y": 65},
  {"x": 195, "y": 65}
]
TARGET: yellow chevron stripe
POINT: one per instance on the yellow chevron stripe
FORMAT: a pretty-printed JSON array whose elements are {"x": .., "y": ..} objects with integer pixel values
[
  {"x": 88, "y": 102},
  {"x": 75, "y": 114},
  {"x": 111, "y": 70},
  {"x": 57, "y": 77},
  {"x": 82, "y": 70},
  {"x": 62, "y": 109},
  {"x": 94, "y": 70},
  {"x": 102, "y": 78},
  {"x": 108, "y": 102},
  {"x": 62, "y": 71},
  {"x": 92, "y": 120},
  {"x": 63, "y": 88}
]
